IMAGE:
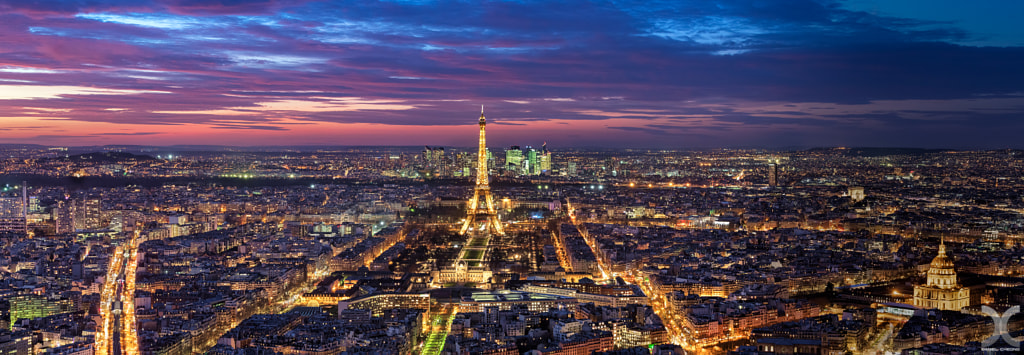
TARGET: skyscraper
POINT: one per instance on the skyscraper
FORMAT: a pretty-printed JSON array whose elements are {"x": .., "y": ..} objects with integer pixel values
[
  {"x": 531, "y": 167},
  {"x": 464, "y": 164},
  {"x": 514, "y": 159},
  {"x": 773, "y": 174},
  {"x": 490, "y": 161},
  {"x": 64, "y": 217},
  {"x": 435, "y": 162},
  {"x": 33, "y": 204},
  {"x": 544, "y": 160},
  {"x": 428, "y": 155},
  {"x": 12, "y": 214},
  {"x": 87, "y": 214},
  {"x": 13, "y": 211},
  {"x": 440, "y": 162}
]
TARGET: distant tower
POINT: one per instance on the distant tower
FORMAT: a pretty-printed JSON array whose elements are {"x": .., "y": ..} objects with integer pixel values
[
  {"x": 13, "y": 211},
  {"x": 545, "y": 159},
  {"x": 514, "y": 159},
  {"x": 87, "y": 214},
  {"x": 773, "y": 174},
  {"x": 532, "y": 167},
  {"x": 428, "y": 155},
  {"x": 24, "y": 203},
  {"x": 440, "y": 162},
  {"x": 482, "y": 191},
  {"x": 434, "y": 161}
]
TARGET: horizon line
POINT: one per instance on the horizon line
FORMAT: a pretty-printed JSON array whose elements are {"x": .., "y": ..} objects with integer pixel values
[{"x": 778, "y": 148}]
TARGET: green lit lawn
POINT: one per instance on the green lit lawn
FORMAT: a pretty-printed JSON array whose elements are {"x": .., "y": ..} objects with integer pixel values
[
  {"x": 435, "y": 341},
  {"x": 474, "y": 254}
]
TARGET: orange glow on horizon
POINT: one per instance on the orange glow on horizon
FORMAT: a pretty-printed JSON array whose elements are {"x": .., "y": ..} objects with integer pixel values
[{"x": 63, "y": 131}]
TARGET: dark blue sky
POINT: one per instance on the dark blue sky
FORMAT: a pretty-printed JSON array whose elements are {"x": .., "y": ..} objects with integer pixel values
[{"x": 771, "y": 73}]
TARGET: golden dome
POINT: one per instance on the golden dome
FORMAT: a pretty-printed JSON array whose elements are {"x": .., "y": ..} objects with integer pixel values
[{"x": 942, "y": 261}]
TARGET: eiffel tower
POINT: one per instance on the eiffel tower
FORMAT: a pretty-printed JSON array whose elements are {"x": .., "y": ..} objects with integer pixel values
[{"x": 482, "y": 192}]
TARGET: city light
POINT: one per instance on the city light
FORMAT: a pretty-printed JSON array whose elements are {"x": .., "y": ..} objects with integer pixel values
[{"x": 401, "y": 249}]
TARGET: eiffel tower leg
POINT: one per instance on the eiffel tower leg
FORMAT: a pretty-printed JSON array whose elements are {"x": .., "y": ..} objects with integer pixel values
[
  {"x": 471, "y": 211},
  {"x": 497, "y": 225},
  {"x": 492, "y": 218}
]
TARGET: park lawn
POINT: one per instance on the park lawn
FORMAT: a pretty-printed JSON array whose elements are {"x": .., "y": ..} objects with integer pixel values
[{"x": 474, "y": 254}]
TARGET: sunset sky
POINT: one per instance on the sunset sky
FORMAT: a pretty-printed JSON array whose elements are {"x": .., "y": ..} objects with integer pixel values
[{"x": 672, "y": 74}]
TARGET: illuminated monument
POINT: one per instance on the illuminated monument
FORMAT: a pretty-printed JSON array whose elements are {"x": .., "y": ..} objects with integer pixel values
[
  {"x": 482, "y": 193},
  {"x": 472, "y": 265},
  {"x": 942, "y": 290}
]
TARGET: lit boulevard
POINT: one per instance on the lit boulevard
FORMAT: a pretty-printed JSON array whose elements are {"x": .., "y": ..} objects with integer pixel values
[{"x": 118, "y": 333}]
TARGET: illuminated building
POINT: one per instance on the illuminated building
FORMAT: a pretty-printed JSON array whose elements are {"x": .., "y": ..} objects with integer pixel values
[
  {"x": 856, "y": 193},
  {"x": 506, "y": 300},
  {"x": 628, "y": 336},
  {"x": 531, "y": 167},
  {"x": 435, "y": 162},
  {"x": 63, "y": 217},
  {"x": 86, "y": 214},
  {"x": 715, "y": 320},
  {"x": 611, "y": 300},
  {"x": 942, "y": 290},
  {"x": 464, "y": 165},
  {"x": 845, "y": 333},
  {"x": 33, "y": 204},
  {"x": 773, "y": 174},
  {"x": 33, "y": 306},
  {"x": 13, "y": 212},
  {"x": 950, "y": 327},
  {"x": 490, "y": 161},
  {"x": 468, "y": 268},
  {"x": 514, "y": 159},
  {"x": 12, "y": 216},
  {"x": 379, "y": 303},
  {"x": 544, "y": 160},
  {"x": 580, "y": 345},
  {"x": 16, "y": 343}
]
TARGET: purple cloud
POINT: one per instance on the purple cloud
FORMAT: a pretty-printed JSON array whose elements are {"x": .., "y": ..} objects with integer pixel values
[{"x": 723, "y": 68}]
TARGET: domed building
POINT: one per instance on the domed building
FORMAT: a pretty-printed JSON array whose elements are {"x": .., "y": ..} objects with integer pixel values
[{"x": 942, "y": 290}]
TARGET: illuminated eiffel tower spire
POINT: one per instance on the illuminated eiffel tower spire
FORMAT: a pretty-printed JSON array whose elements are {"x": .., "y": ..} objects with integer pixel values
[{"x": 482, "y": 192}]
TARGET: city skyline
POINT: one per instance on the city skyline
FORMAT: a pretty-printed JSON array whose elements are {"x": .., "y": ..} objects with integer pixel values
[
  {"x": 632, "y": 251},
  {"x": 663, "y": 177},
  {"x": 674, "y": 75}
]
